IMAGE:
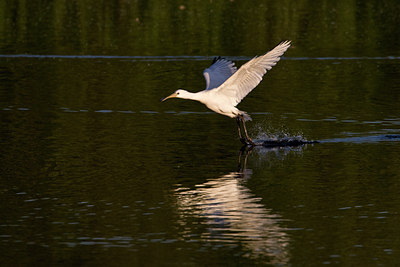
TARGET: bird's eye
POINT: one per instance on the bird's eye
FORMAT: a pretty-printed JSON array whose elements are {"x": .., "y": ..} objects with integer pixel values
[{"x": 177, "y": 93}]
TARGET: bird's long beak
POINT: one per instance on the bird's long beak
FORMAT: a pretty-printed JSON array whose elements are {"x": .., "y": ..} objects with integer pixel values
[{"x": 170, "y": 96}]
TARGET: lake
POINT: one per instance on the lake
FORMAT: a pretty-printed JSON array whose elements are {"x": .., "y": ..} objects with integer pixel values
[{"x": 95, "y": 170}]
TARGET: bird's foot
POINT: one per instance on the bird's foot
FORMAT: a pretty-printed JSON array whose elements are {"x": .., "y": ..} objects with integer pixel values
[
  {"x": 250, "y": 142},
  {"x": 247, "y": 142}
]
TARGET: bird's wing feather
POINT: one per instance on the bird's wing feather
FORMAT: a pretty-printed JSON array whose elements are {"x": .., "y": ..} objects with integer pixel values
[
  {"x": 218, "y": 72},
  {"x": 250, "y": 74}
]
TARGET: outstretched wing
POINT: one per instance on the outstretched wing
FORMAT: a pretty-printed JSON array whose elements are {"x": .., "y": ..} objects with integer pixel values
[
  {"x": 218, "y": 72},
  {"x": 250, "y": 74}
]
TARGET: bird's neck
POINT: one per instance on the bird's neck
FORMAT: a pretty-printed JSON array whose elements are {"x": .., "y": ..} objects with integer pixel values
[{"x": 192, "y": 96}]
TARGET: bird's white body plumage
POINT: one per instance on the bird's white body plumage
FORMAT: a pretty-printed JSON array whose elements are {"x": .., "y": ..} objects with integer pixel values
[{"x": 226, "y": 86}]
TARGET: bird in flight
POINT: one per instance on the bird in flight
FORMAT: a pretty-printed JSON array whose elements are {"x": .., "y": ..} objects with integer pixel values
[{"x": 226, "y": 86}]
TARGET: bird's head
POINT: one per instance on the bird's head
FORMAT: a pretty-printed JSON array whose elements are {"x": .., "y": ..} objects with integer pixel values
[{"x": 180, "y": 93}]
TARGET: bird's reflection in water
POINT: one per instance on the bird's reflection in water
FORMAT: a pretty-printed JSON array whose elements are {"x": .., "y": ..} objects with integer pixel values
[{"x": 233, "y": 215}]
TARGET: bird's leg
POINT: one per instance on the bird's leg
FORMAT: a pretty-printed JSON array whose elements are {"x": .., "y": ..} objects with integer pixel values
[
  {"x": 246, "y": 151},
  {"x": 240, "y": 131},
  {"x": 248, "y": 139}
]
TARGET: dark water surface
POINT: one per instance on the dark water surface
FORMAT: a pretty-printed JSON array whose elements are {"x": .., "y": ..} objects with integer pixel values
[{"x": 96, "y": 171}]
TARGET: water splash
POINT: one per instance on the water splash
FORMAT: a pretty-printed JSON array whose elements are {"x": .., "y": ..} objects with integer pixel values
[
  {"x": 266, "y": 132},
  {"x": 269, "y": 137}
]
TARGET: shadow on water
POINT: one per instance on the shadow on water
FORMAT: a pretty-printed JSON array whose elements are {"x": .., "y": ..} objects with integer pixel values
[
  {"x": 364, "y": 139},
  {"x": 299, "y": 141}
]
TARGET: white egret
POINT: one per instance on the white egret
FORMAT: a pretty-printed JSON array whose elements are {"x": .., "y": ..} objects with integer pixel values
[{"x": 226, "y": 86}]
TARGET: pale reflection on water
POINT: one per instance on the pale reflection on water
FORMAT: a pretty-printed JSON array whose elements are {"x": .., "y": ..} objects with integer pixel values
[{"x": 233, "y": 214}]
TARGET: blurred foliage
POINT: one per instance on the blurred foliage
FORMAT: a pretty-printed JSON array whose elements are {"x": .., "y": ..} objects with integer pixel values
[{"x": 317, "y": 28}]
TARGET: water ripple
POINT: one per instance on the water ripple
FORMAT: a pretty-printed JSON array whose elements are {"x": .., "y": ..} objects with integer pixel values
[{"x": 233, "y": 214}]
